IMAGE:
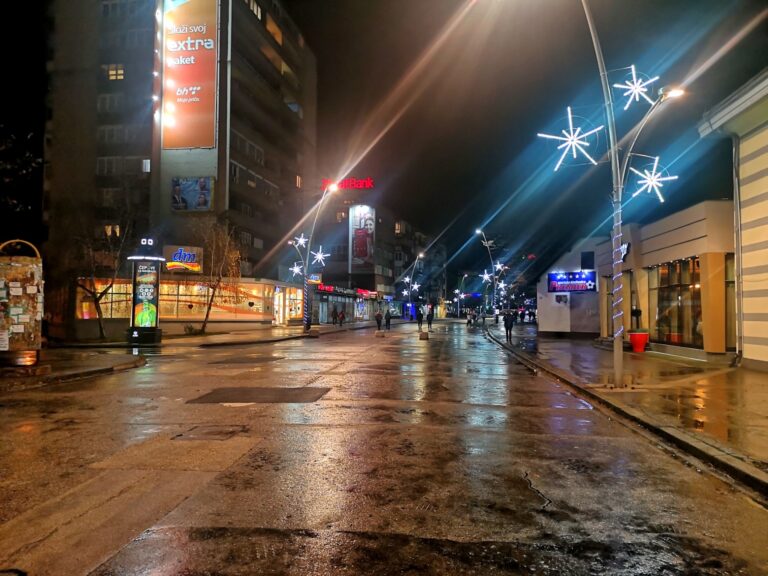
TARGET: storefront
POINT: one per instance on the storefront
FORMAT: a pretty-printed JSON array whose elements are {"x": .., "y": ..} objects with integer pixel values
[
  {"x": 237, "y": 300},
  {"x": 358, "y": 305},
  {"x": 678, "y": 281}
]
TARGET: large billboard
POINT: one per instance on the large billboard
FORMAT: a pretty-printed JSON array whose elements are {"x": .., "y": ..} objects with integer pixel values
[
  {"x": 192, "y": 194},
  {"x": 190, "y": 71},
  {"x": 362, "y": 238}
]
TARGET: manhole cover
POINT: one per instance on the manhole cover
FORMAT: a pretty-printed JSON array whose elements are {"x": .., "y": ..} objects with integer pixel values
[
  {"x": 213, "y": 432},
  {"x": 248, "y": 360},
  {"x": 261, "y": 395}
]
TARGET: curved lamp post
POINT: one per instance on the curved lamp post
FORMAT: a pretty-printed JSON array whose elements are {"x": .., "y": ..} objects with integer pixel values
[
  {"x": 412, "y": 286},
  {"x": 459, "y": 295},
  {"x": 487, "y": 245},
  {"x": 318, "y": 257},
  {"x": 575, "y": 142}
]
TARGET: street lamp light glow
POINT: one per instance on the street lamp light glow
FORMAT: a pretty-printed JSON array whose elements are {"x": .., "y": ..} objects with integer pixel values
[
  {"x": 671, "y": 92},
  {"x": 333, "y": 187},
  {"x": 478, "y": 231}
]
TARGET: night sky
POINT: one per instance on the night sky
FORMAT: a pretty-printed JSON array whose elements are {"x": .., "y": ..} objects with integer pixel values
[{"x": 462, "y": 151}]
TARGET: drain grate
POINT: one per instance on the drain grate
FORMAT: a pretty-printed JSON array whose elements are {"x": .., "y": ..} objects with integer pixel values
[{"x": 261, "y": 395}]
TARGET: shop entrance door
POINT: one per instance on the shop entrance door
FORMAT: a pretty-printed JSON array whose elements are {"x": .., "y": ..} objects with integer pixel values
[
  {"x": 323, "y": 312},
  {"x": 279, "y": 308}
]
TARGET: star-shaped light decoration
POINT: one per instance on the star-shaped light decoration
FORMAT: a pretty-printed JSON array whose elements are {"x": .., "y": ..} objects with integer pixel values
[
  {"x": 301, "y": 241},
  {"x": 462, "y": 296},
  {"x": 407, "y": 279},
  {"x": 485, "y": 276},
  {"x": 296, "y": 268},
  {"x": 590, "y": 285},
  {"x": 319, "y": 256},
  {"x": 572, "y": 141},
  {"x": 635, "y": 88},
  {"x": 502, "y": 286},
  {"x": 498, "y": 266},
  {"x": 415, "y": 286},
  {"x": 651, "y": 181},
  {"x": 405, "y": 292},
  {"x": 456, "y": 291}
]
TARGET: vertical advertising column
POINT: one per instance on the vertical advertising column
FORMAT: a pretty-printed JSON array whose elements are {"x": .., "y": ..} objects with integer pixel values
[{"x": 144, "y": 328}]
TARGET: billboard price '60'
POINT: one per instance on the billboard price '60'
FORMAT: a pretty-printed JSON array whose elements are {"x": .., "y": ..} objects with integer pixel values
[{"x": 190, "y": 71}]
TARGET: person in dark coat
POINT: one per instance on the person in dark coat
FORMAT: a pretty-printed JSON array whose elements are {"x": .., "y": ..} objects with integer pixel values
[
  {"x": 387, "y": 319},
  {"x": 335, "y": 315},
  {"x": 378, "y": 317},
  {"x": 341, "y": 318},
  {"x": 430, "y": 317},
  {"x": 419, "y": 318},
  {"x": 509, "y": 323}
]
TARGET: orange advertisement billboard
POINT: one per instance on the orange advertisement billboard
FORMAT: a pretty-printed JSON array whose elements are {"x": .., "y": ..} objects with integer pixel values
[{"x": 190, "y": 72}]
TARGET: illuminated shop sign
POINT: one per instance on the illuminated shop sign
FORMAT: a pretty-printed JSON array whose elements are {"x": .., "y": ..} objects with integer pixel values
[
  {"x": 146, "y": 282},
  {"x": 366, "y": 293},
  {"x": 362, "y": 238},
  {"x": 183, "y": 258},
  {"x": 314, "y": 278},
  {"x": 190, "y": 70},
  {"x": 335, "y": 289},
  {"x": 350, "y": 183},
  {"x": 581, "y": 281}
]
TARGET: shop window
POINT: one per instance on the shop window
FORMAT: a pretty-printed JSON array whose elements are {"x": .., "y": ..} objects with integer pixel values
[{"x": 675, "y": 304}]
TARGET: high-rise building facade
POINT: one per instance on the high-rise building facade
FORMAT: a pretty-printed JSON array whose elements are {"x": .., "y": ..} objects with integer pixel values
[{"x": 167, "y": 115}]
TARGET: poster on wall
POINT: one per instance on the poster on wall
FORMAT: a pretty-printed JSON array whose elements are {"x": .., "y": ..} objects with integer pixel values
[
  {"x": 190, "y": 72},
  {"x": 146, "y": 283},
  {"x": 581, "y": 281},
  {"x": 362, "y": 231},
  {"x": 192, "y": 194},
  {"x": 21, "y": 303}
]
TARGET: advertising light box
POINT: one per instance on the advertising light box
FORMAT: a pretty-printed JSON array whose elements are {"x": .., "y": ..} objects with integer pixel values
[
  {"x": 190, "y": 72},
  {"x": 581, "y": 281},
  {"x": 362, "y": 238},
  {"x": 146, "y": 283}
]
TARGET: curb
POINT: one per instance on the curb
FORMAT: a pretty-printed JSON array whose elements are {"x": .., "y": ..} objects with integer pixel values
[
  {"x": 719, "y": 457},
  {"x": 31, "y": 383}
]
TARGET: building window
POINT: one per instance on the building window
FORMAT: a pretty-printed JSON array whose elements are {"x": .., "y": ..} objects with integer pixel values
[
  {"x": 674, "y": 294},
  {"x": 398, "y": 227},
  {"x": 114, "y": 71},
  {"x": 108, "y": 197},
  {"x": 246, "y": 238},
  {"x": 274, "y": 30},
  {"x": 341, "y": 216},
  {"x": 111, "y": 134},
  {"x": 235, "y": 172},
  {"x": 246, "y": 209},
  {"x": 298, "y": 181},
  {"x": 109, "y": 165},
  {"x": 108, "y": 103}
]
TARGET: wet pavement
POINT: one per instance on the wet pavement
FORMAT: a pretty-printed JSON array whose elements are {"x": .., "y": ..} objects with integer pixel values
[
  {"x": 442, "y": 456},
  {"x": 723, "y": 406}
]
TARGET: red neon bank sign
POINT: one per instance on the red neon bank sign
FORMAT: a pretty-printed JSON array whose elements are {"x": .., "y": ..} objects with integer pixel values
[{"x": 350, "y": 183}]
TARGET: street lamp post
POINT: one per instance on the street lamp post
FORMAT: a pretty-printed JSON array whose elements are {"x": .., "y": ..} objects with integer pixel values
[
  {"x": 319, "y": 256},
  {"x": 488, "y": 244},
  {"x": 412, "y": 285},
  {"x": 459, "y": 295},
  {"x": 574, "y": 141}
]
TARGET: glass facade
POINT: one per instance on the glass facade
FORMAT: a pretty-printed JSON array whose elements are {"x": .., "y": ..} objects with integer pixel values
[
  {"x": 187, "y": 300},
  {"x": 674, "y": 303}
]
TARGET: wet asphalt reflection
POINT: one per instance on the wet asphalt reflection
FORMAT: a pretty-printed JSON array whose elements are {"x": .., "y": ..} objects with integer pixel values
[{"x": 421, "y": 457}]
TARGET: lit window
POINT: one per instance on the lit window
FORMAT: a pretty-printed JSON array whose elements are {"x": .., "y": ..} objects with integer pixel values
[
  {"x": 114, "y": 71},
  {"x": 274, "y": 30},
  {"x": 298, "y": 181},
  {"x": 398, "y": 227},
  {"x": 341, "y": 216}
]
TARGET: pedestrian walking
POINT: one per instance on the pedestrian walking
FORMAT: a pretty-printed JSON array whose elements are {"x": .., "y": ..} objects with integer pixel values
[
  {"x": 335, "y": 315},
  {"x": 430, "y": 317},
  {"x": 387, "y": 319},
  {"x": 341, "y": 318},
  {"x": 509, "y": 323},
  {"x": 419, "y": 318},
  {"x": 378, "y": 317},
  {"x": 482, "y": 316}
]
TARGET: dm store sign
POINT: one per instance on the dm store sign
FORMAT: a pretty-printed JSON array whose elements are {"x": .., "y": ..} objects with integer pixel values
[
  {"x": 581, "y": 281},
  {"x": 183, "y": 258}
]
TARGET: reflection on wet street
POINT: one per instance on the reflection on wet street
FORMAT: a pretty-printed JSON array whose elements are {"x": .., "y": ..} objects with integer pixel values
[
  {"x": 717, "y": 403},
  {"x": 442, "y": 456}
]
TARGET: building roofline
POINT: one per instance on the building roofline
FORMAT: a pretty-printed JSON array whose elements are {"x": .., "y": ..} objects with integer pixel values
[{"x": 743, "y": 98}]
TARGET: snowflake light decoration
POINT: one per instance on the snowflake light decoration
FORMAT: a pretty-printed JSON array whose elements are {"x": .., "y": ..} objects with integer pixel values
[
  {"x": 635, "y": 88},
  {"x": 319, "y": 256},
  {"x": 485, "y": 276},
  {"x": 296, "y": 268},
  {"x": 651, "y": 181},
  {"x": 573, "y": 141},
  {"x": 301, "y": 241}
]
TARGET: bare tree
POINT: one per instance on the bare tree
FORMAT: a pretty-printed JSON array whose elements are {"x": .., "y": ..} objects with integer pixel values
[
  {"x": 222, "y": 260},
  {"x": 101, "y": 255}
]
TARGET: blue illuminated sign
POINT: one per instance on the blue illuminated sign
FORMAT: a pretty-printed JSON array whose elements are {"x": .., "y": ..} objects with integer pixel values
[{"x": 581, "y": 281}]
